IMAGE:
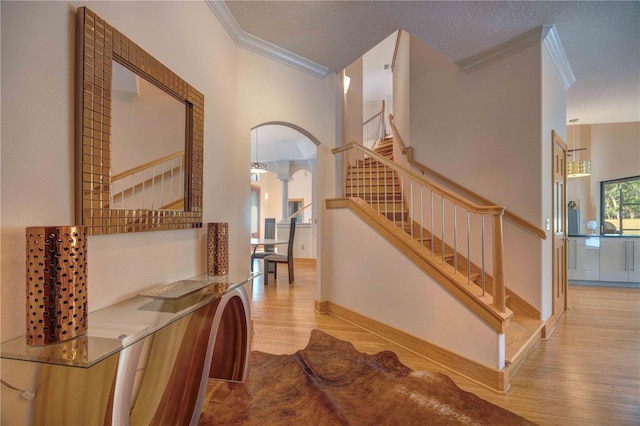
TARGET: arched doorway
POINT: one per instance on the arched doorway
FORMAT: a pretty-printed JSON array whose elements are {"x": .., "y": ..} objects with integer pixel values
[{"x": 288, "y": 186}]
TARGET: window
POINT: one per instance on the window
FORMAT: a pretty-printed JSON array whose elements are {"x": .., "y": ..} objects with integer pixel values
[
  {"x": 620, "y": 206},
  {"x": 296, "y": 205},
  {"x": 255, "y": 211}
]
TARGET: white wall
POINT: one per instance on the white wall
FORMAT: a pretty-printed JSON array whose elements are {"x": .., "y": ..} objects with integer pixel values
[{"x": 392, "y": 290}]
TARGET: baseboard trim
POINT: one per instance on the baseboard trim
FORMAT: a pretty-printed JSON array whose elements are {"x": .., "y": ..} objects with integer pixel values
[
  {"x": 495, "y": 380},
  {"x": 321, "y": 307},
  {"x": 304, "y": 261}
]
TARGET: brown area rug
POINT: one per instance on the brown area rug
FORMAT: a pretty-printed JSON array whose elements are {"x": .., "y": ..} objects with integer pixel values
[{"x": 330, "y": 383}]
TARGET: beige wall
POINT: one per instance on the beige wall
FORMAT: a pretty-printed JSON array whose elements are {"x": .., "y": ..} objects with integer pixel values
[
  {"x": 353, "y": 104},
  {"x": 269, "y": 91},
  {"x": 614, "y": 151},
  {"x": 402, "y": 94},
  {"x": 38, "y": 52},
  {"x": 300, "y": 187},
  {"x": 489, "y": 130},
  {"x": 393, "y": 290},
  {"x": 241, "y": 89}
]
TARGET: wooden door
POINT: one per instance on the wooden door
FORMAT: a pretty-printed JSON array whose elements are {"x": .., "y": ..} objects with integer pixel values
[{"x": 559, "y": 208}]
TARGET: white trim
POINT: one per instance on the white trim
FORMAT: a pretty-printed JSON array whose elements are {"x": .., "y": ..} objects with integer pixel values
[
  {"x": 546, "y": 34},
  {"x": 558, "y": 56},
  {"x": 270, "y": 50}
]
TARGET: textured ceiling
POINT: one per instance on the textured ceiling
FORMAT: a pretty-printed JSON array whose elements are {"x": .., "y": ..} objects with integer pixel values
[{"x": 601, "y": 39}]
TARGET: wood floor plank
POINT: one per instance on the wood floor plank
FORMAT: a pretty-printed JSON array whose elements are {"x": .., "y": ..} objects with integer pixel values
[{"x": 586, "y": 373}]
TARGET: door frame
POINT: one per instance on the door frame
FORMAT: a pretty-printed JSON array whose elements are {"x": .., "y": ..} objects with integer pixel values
[{"x": 559, "y": 281}]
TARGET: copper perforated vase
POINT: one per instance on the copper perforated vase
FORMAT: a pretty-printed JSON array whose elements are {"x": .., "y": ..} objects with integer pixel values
[
  {"x": 56, "y": 283},
  {"x": 217, "y": 248}
]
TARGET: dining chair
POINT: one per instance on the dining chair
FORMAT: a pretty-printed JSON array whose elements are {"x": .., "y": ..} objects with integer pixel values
[
  {"x": 269, "y": 233},
  {"x": 281, "y": 258}
]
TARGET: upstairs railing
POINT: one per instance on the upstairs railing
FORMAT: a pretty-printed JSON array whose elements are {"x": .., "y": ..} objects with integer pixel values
[
  {"x": 374, "y": 129},
  {"x": 158, "y": 184},
  {"x": 408, "y": 152},
  {"x": 297, "y": 212},
  {"x": 447, "y": 226}
]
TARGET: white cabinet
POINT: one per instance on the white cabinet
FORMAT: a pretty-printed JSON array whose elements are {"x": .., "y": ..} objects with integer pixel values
[
  {"x": 583, "y": 258},
  {"x": 634, "y": 257},
  {"x": 620, "y": 259}
]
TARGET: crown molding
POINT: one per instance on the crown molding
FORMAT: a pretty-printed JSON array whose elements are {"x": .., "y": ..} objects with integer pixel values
[
  {"x": 258, "y": 45},
  {"x": 545, "y": 34},
  {"x": 552, "y": 42}
]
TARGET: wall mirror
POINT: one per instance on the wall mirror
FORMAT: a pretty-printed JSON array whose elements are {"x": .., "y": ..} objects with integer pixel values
[{"x": 139, "y": 137}]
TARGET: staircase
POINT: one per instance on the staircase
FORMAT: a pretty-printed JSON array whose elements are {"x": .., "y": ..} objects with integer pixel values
[{"x": 381, "y": 189}]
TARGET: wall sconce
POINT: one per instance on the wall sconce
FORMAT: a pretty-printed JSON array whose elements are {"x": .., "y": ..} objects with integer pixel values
[{"x": 346, "y": 83}]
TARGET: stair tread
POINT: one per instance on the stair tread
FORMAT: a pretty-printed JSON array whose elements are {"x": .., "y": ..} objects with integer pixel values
[{"x": 520, "y": 331}]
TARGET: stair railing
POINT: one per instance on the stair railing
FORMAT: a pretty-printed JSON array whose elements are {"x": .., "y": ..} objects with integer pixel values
[
  {"x": 294, "y": 214},
  {"x": 157, "y": 183},
  {"x": 434, "y": 217},
  {"x": 510, "y": 216},
  {"x": 374, "y": 129}
]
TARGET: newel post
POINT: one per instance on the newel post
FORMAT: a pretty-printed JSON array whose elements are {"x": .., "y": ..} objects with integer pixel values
[{"x": 498, "y": 265}]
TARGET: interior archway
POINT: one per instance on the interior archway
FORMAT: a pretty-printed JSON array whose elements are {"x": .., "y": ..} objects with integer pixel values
[{"x": 289, "y": 154}]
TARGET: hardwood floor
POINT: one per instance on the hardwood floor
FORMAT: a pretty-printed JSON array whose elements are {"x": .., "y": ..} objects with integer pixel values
[{"x": 586, "y": 373}]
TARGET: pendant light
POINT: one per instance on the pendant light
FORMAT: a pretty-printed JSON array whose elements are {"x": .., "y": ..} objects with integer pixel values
[
  {"x": 257, "y": 166},
  {"x": 577, "y": 168}
]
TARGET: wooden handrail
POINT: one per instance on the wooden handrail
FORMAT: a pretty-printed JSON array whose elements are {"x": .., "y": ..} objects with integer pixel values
[
  {"x": 395, "y": 51},
  {"x": 374, "y": 116},
  {"x": 142, "y": 167},
  {"x": 496, "y": 213},
  {"x": 451, "y": 196},
  {"x": 294, "y": 214},
  {"x": 138, "y": 186},
  {"x": 408, "y": 152}
]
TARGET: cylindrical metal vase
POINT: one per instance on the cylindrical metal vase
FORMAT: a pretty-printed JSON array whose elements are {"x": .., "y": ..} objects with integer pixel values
[
  {"x": 217, "y": 248},
  {"x": 56, "y": 283}
]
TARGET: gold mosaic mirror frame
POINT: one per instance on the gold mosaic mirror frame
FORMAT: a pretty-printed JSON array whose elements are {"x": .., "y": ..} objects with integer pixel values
[{"x": 98, "y": 44}]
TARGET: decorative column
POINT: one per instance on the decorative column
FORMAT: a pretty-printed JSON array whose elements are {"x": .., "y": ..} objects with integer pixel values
[
  {"x": 285, "y": 198},
  {"x": 284, "y": 175}
]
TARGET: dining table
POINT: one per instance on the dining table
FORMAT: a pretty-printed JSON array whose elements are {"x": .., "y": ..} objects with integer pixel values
[{"x": 255, "y": 242}]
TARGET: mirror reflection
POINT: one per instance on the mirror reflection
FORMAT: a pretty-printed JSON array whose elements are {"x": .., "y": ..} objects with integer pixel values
[
  {"x": 148, "y": 145},
  {"x": 110, "y": 209}
]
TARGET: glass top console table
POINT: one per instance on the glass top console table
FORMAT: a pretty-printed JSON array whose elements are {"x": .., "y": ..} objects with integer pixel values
[{"x": 144, "y": 360}]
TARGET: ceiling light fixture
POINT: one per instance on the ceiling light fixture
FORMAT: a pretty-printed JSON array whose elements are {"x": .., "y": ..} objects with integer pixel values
[
  {"x": 257, "y": 166},
  {"x": 577, "y": 168}
]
